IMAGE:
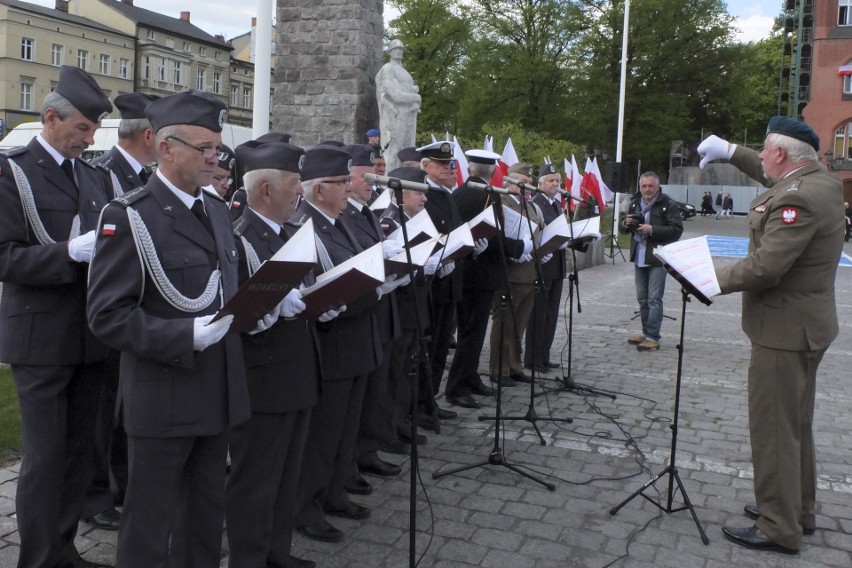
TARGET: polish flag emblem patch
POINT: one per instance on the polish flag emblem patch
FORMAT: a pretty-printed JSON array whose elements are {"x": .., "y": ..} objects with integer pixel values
[
  {"x": 108, "y": 230},
  {"x": 789, "y": 215}
]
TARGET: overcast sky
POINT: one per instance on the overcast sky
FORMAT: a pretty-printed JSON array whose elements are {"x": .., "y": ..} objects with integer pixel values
[{"x": 231, "y": 18}]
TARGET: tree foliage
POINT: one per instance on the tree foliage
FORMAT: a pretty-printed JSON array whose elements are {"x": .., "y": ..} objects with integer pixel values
[{"x": 547, "y": 73}]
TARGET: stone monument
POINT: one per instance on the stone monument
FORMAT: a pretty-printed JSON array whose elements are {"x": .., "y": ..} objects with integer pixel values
[
  {"x": 399, "y": 103},
  {"x": 328, "y": 53}
]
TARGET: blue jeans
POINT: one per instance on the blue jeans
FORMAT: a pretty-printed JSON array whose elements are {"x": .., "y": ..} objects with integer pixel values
[{"x": 650, "y": 286}]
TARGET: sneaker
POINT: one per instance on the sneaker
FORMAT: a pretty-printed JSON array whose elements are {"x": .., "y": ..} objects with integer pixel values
[
  {"x": 648, "y": 345},
  {"x": 636, "y": 339}
]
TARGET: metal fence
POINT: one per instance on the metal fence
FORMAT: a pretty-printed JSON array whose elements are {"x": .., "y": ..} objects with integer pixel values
[{"x": 693, "y": 194}]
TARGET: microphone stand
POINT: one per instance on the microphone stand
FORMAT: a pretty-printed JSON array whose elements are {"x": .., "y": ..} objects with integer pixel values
[
  {"x": 531, "y": 415},
  {"x": 420, "y": 360},
  {"x": 568, "y": 383},
  {"x": 496, "y": 457}
]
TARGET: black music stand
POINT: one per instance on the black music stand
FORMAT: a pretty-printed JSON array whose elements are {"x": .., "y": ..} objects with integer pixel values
[{"x": 671, "y": 469}]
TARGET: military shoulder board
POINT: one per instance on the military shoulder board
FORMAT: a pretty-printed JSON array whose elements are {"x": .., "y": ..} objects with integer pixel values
[
  {"x": 240, "y": 226},
  {"x": 131, "y": 197},
  {"x": 11, "y": 152},
  {"x": 298, "y": 221}
]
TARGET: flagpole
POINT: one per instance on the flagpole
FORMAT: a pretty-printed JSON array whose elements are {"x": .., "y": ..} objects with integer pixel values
[
  {"x": 262, "y": 67},
  {"x": 623, "y": 88}
]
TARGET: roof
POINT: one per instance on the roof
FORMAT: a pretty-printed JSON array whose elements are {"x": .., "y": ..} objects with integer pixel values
[
  {"x": 60, "y": 15},
  {"x": 165, "y": 23}
]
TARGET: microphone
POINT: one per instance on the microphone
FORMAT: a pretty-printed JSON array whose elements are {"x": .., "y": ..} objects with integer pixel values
[
  {"x": 489, "y": 189},
  {"x": 532, "y": 188},
  {"x": 396, "y": 183}
]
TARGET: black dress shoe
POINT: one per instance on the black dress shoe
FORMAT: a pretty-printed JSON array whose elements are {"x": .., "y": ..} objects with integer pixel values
[
  {"x": 105, "y": 520},
  {"x": 322, "y": 531},
  {"x": 397, "y": 447},
  {"x": 537, "y": 368},
  {"x": 504, "y": 382},
  {"x": 419, "y": 439},
  {"x": 521, "y": 378},
  {"x": 380, "y": 467},
  {"x": 465, "y": 401},
  {"x": 551, "y": 365},
  {"x": 358, "y": 486},
  {"x": 445, "y": 414},
  {"x": 754, "y": 538},
  {"x": 481, "y": 389},
  {"x": 425, "y": 421},
  {"x": 293, "y": 562},
  {"x": 349, "y": 511},
  {"x": 752, "y": 512}
]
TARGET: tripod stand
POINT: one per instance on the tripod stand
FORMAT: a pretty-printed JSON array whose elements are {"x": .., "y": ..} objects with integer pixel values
[{"x": 671, "y": 469}]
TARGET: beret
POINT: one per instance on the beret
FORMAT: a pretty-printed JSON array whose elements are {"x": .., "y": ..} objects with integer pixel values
[
  {"x": 226, "y": 158},
  {"x": 408, "y": 155},
  {"x": 194, "y": 108},
  {"x": 132, "y": 105},
  {"x": 362, "y": 154},
  {"x": 408, "y": 174},
  {"x": 373, "y": 132},
  {"x": 521, "y": 168},
  {"x": 547, "y": 169},
  {"x": 271, "y": 156},
  {"x": 83, "y": 92},
  {"x": 794, "y": 129},
  {"x": 325, "y": 161},
  {"x": 274, "y": 137}
]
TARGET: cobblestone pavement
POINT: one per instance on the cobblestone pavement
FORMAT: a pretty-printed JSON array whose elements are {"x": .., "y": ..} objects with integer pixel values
[{"x": 492, "y": 516}]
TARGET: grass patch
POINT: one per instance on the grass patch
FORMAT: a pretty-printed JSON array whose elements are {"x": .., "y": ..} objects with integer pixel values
[{"x": 10, "y": 417}]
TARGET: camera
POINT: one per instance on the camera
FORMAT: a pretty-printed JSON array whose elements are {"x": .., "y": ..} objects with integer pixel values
[{"x": 633, "y": 221}]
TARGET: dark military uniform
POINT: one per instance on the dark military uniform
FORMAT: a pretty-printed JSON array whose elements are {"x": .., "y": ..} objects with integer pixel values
[
  {"x": 542, "y": 327},
  {"x": 351, "y": 349},
  {"x": 178, "y": 402},
  {"x": 237, "y": 203},
  {"x": 57, "y": 365},
  {"x": 482, "y": 276},
  {"x": 283, "y": 369},
  {"x": 789, "y": 314},
  {"x": 117, "y": 169}
]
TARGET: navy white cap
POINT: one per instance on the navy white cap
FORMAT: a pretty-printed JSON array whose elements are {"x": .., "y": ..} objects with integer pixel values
[
  {"x": 325, "y": 161},
  {"x": 271, "y": 156},
  {"x": 482, "y": 157},
  {"x": 83, "y": 92},
  {"x": 441, "y": 150},
  {"x": 132, "y": 105},
  {"x": 195, "y": 108}
]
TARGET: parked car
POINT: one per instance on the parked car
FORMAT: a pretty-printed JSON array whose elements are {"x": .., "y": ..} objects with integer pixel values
[{"x": 687, "y": 211}]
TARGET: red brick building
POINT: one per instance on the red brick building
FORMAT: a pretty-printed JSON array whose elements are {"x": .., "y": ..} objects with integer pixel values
[{"x": 829, "y": 108}]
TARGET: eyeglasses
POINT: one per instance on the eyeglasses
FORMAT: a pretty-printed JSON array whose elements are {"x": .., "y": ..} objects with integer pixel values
[
  {"x": 206, "y": 153},
  {"x": 346, "y": 181},
  {"x": 223, "y": 179}
]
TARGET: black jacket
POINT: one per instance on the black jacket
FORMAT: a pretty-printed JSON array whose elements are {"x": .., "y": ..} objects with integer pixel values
[{"x": 665, "y": 221}]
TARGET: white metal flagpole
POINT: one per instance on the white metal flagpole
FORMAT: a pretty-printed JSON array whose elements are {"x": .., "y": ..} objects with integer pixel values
[
  {"x": 262, "y": 66},
  {"x": 622, "y": 90}
]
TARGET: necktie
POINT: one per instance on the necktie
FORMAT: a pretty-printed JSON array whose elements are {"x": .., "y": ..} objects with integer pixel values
[
  {"x": 556, "y": 207},
  {"x": 282, "y": 233},
  {"x": 143, "y": 175},
  {"x": 68, "y": 168},
  {"x": 198, "y": 210}
]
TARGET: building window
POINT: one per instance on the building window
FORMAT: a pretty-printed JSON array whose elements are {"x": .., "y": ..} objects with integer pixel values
[
  {"x": 842, "y": 148},
  {"x": 844, "y": 12},
  {"x": 146, "y": 68},
  {"x": 151, "y": 35},
  {"x": 178, "y": 75},
  {"x": 83, "y": 59},
  {"x": 26, "y": 95},
  {"x": 123, "y": 65},
  {"x": 57, "y": 54},
  {"x": 217, "y": 83},
  {"x": 219, "y": 54},
  {"x": 187, "y": 47},
  {"x": 161, "y": 70},
  {"x": 27, "y": 48},
  {"x": 103, "y": 65},
  {"x": 199, "y": 82},
  {"x": 202, "y": 51},
  {"x": 246, "y": 97},
  {"x": 235, "y": 95}
]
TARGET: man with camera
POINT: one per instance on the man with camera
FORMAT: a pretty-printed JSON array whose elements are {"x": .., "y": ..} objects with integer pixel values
[{"x": 653, "y": 220}]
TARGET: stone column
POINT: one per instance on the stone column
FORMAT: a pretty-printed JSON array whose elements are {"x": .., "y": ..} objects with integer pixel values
[{"x": 328, "y": 54}]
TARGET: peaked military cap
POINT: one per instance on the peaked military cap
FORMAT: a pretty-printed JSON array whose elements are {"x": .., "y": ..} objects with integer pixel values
[
  {"x": 441, "y": 151},
  {"x": 83, "y": 92},
  {"x": 482, "y": 157},
  {"x": 362, "y": 154},
  {"x": 132, "y": 105},
  {"x": 794, "y": 129},
  {"x": 271, "y": 156},
  {"x": 325, "y": 161},
  {"x": 195, "y": 108}
]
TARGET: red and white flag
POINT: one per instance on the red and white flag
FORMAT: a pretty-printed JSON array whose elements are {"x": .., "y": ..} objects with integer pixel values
[
  {"x": 606, "y": 193},
  {"x": 461, "y": 161},
  {"x": 589, "y": 186},
  {"x": 508, "y": 159}
]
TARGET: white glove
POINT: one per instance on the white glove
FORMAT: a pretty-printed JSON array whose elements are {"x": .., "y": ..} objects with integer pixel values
[
  {"x": 526, "y": 257},
  {"x": 266, "y": 321},
  {"x": 387, "y": 286},
  {"x": 546, "y": 257},
  {"x": 203, "y": 335},
  {"x": 291, "y": 305},
  {"x": 479, "y": 246},
  {"x": 80, "y": 248},
  {"x": 447, "y": 269},
  {"x": 714, "y": 148},
  {"x": 528, "y": 246},
  {"x": 331, "y": 314},
  {"x": 391, "y": 248},
  {"x": 564, "y": 245},
  {"x": 432, "y": 264}
]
